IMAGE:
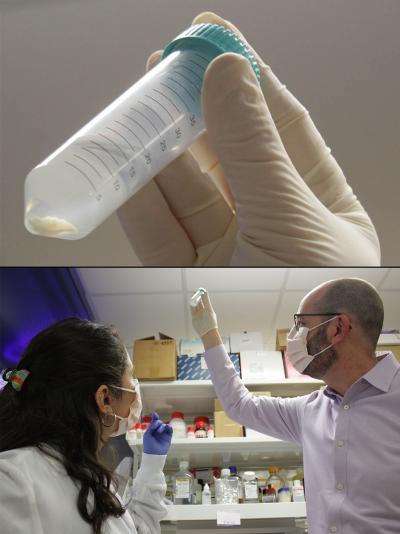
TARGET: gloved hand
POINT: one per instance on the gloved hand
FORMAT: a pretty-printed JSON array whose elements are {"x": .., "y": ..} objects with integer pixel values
[
  {"x": 293, "y": 205},
  {"x": 157, "y": 438},
  {"x": 204, "y": 318}
]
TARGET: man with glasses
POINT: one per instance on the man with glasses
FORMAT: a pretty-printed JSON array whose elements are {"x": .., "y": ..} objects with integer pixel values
[{"x": 349, "y": 430}]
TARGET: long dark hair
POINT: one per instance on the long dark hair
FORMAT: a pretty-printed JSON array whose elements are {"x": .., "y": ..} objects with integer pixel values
[{"x": 56, "y": 406}]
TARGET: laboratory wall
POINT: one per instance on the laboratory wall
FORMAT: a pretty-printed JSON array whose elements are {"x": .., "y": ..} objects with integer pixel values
[{"x": 63, "y": 61}]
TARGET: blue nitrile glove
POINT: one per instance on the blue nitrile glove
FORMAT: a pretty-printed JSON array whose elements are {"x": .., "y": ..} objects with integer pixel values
[{"x": 157, "y": 438}]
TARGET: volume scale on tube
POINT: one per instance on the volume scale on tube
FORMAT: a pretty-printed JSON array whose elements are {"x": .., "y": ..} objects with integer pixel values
[{"x": 108, "y": 160}]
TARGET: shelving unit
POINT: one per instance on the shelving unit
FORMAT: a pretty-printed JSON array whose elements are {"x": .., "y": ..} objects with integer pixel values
[
  {"x": 273, "y": 518},
  {"x": 228, "y": 451},
  {"x": 197, "y": 397}
]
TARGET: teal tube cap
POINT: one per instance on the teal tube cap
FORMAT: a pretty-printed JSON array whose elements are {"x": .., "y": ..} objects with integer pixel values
[{"x": 212, "y": 40}]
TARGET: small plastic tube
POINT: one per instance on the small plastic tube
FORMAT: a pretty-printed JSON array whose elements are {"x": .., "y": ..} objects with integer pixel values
[
  {"x": 195, "y": 299},
  {"x": 120, "y": 150}
]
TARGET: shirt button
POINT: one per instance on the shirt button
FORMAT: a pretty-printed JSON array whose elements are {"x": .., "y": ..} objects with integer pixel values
[
  {"x": 339, "y": 487},
  {"x": 340, "y": 443},
  {"x": 333, "y": 529},
  {"x": 345, "y": 407}
]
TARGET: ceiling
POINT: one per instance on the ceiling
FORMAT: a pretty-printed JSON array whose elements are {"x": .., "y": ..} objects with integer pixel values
[{"x": 142, "y": 302}]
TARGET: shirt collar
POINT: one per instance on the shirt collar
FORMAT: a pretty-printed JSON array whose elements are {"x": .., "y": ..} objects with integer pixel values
[{"x": 380, "y": 376}]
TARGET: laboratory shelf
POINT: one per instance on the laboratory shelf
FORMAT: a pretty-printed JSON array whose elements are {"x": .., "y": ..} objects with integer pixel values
[
  {"x": 243, "y": 452},
  {"x": 195, "y": 512},
  {"x": 196, "y": 396}
]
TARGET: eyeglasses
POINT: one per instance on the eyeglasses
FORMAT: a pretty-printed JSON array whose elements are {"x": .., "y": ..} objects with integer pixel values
[
  {"x": 135, "y": 386},
  {"x": 297, "y": 317}
]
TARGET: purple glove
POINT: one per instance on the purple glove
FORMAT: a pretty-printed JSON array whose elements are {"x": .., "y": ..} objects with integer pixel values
[{"x": 157, "y": 438}]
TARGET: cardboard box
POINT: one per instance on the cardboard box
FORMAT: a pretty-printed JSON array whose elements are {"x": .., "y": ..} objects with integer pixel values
[
  {"x": 155, "y": 359},
  {"x": 281, "y": 338},
  {"x": 246, "y": 341},
  {"x": 261, "y": 366},
  {"x": 225, "y": 427},
  {"x": 218, "y": 406},
  {"x": 195, "y": 367},
  {"x": 290, "y": 371},
  {"x": 194, "y": 347}
]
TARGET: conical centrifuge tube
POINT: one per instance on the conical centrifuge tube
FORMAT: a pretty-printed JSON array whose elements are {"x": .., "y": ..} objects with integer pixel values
[{"x": 121, "y": 149}]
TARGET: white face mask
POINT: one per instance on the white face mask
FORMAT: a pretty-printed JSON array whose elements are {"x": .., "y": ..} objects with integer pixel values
[
  {"x": 135, "y": 409},
  {"x": 297, "y": 346}
]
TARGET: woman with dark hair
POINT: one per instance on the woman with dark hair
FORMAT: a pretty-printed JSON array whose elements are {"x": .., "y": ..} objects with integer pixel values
[{"x": 73, "y": 389}]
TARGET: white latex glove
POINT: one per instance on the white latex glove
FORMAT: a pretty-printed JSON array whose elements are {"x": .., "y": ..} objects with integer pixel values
[
  {"x": 204, "y": 318},
  {"x": 293, "y": 205}
]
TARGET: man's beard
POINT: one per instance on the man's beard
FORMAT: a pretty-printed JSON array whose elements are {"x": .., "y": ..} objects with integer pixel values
[{"x": 321, "y": 363}]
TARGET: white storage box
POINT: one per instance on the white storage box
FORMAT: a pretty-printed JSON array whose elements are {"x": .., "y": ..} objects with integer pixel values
[
  {"x": 246, "y": 341},
  {"x": 194, "y": 347},
  {"x": 261, "y": 366}
]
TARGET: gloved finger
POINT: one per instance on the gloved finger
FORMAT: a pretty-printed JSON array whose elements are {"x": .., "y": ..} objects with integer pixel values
[
  {"x": 280, "y": 220},
  {"x": 205, "y": 299},
  {"x": 266, "y": 186},
  {"x": 188, "y": 196},
  {"x": 302, "y": 141},
  {"x": 161, "y": 429},
  {"x": 154, "y": 416},
  {"x": 153, "y": 230},
  {"x": 153, "y": 427}
]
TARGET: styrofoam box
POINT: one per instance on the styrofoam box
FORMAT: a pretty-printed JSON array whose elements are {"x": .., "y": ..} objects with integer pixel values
[
  {"x": 261, "y": 365},
  {"x": 194, "y": 347},
  {"x": 241, "y": 341},
  {"x": 389, "y": 339}
]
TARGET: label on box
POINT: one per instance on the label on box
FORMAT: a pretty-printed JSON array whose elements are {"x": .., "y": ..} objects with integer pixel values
[
  {"x": 246, "y": 341},
  {"x": 260, "y": 365},
  {"x": 182, "y": 488},
  {"x": 228, "y": 518}
]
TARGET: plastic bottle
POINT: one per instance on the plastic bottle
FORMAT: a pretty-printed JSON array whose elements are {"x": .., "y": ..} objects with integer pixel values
[
  {"x": 190, "y": 432},
  {"x": 210, "y": 432},
  {"x": 298, "y": 491},
  {"x": 206, "y": 495},
  {"x": 200, "y": 431},
  {"x": 234, "y": 475},
  {"x": 274, "y": 479},
  {"x": 128, "y": 143},
  {"x": 178, "y": 424},
  {"x": 250, "y": 493},
  {"x": 197, "y": 492},
  {"x": 284, "y": 494},
  {"x": 269, "y": 494},
  {"x": 228, "y": 488},
  {"x": 202, "y": 418},
  {"x": 183, "y": 484},
  {"x": 216, "y": 478}
]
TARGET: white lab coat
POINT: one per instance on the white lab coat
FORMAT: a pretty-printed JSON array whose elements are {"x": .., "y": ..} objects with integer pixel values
[{"x": 38, "y": 497}]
